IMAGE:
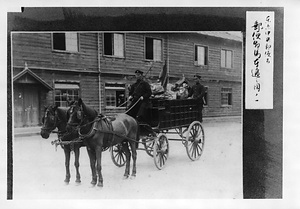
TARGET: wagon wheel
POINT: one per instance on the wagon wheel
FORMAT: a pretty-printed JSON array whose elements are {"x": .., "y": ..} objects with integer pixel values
[
  {"x": 118, "y": 155},
  {"x": 160, "y": 150},
  {"x": 148, "y": 144},
  {"x": 194, "y": 143}
]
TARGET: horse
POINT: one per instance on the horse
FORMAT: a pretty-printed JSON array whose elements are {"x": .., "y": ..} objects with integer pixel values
[
  {"x": 99, "y": 133},
  {"x": 56, "y": 117}
]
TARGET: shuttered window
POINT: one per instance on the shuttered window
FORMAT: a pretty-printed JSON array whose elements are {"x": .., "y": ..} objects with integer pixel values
[
  {"x": 114, "y": 44},
  {"x": 153, "y": 49},
  {"x": 226, "y": 58},
  {"x": 65, "y": 41},
  {"x": 201, "y": 55}
]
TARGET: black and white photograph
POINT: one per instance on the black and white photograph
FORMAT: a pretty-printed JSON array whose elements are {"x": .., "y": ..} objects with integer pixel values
[
  {"x": 141, "y": 105},
  {"x": 170, "y": 95}
]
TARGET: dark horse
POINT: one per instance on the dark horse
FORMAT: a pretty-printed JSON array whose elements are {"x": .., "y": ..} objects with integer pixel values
[
  {"x": 99, "y": 133},
  {"x": 56, "y": 117}
]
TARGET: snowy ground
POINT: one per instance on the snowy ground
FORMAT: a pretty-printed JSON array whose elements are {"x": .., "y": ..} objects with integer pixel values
[{"x": 39, "y": 171}]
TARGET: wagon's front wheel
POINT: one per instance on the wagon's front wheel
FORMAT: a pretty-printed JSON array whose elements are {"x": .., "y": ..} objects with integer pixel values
[
  {"x": 160, "y": 151},
  {"x": 118, "y": 155},
  {"x": 194, "y": 143},
  {"x": 148, "y": 144}
]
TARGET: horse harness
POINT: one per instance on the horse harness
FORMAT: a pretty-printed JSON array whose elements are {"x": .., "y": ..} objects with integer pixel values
[
  {"x": 92, "y": 132},
  {"x": 110, "y": 131}
]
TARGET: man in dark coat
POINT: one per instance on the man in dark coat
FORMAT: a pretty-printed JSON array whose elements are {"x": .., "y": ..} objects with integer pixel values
[
  {"x": 139, "y": 94},
  {"x": 197, "y": 92}
]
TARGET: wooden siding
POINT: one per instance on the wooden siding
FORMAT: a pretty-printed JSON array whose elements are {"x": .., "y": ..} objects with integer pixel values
[
  {"x": 214, "y": 107},
  {"x": 36, "y": 50},
  {"x": 89, "y": 85},
  {"x": 181, "y": 56},
  {"x": 178, "y": 49},
  {"x": 134, "y": 56}
]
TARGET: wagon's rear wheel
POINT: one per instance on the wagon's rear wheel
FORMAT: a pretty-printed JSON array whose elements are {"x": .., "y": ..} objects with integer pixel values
[
  {"x": 148, "y": 144},
  {"x": 194, "y": 140},
  {"x": 160, "y": 151},
  {"x": 118, "y": 155}
]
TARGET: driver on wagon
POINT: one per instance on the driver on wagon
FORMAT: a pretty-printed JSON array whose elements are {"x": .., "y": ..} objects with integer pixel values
[{"x": 139, "y": 94}]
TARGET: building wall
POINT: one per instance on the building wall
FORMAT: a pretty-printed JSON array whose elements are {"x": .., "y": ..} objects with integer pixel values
[
  {"x": 134, "y": 56},
  {"x": 181, "y": 56},
  {"x": 178, "y": 50},
  {"x": 36, "y": 50},
  {"x": 181, "y": 61}
]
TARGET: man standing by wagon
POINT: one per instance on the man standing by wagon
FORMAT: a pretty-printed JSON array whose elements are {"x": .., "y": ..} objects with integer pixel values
[
  {"x": 197, "y": 92},
  {"x": 139, "y": 94}
]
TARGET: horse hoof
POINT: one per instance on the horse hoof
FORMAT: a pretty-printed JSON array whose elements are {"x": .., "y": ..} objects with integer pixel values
[
  {"x": 132, "y": 177},
  {"x": 66, "y": 182},
  {"x": 125, "y": 177},
  {"x": 100, "y": 184}
]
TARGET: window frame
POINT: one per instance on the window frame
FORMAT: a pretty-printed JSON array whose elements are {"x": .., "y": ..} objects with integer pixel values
[
  {"x": 231, "y": 61},
  {"x": 206, "y": 51},
  {"x": 118, "y": 87},
  {"x": 153, "y": 50},
  {"x": 112, "y": 45},
  {"x": 227, "y": 91},
  {"x": 65, "y": 50},
  {"x": 76, "y": 86}
]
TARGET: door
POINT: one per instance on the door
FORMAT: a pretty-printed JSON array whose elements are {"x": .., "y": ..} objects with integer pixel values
[
  {"x": 18, "y": 106},
  {"x": 26, "y": 102}
]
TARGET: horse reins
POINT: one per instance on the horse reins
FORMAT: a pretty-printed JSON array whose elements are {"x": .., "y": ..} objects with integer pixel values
[{"x": 132, "y": 106}]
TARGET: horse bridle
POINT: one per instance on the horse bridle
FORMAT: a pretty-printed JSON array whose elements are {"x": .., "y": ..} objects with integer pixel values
[
  {"x": 78, "y": 115},
  {"x": 54, "y": 124},
  {"x": 81, "y": 116}
]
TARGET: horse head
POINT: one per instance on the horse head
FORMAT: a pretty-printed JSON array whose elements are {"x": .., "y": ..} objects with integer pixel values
[
  {"x": 79, "y": 114},
  {"x": 49, "y": 121}
]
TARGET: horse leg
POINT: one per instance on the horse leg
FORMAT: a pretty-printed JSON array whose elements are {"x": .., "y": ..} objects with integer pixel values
[
  {"x": 128, "y": 156},
  {"x": 134, "y": 157},
  {"x": 92, "y": 157},
  {"x": 67, "y": 152},
  {"x": 76, "y": 164},
  {"x": 99, "y": 167}
]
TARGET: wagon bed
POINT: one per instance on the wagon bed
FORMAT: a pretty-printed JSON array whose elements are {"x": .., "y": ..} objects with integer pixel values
[
  {"x": 170, "y": 114},
  {"x": 172, "y": 117}
]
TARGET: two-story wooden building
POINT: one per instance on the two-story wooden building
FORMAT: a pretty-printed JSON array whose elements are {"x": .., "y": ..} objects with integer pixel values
[{"x": 55, "y": 67}]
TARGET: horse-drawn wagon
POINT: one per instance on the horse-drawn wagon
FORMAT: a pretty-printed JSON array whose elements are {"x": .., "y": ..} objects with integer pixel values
[
  {"x": 122, "y": 133},
  {"x": 168, "y": 117}
]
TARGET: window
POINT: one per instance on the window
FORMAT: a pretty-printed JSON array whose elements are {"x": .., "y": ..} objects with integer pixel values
[
  {"x": 226, "y": 96},
  {"x": 65, "y": 93},
  {"x": 153, "y": 49},
  {"x": 65, "y": 41},
  {"x": 114, "y": 44},
  {"x": 201, "y": 57},
  {"x": 115, "y": 95},
  {"x": 205, "y": 98},
  {"x": 226, "y": 58}
]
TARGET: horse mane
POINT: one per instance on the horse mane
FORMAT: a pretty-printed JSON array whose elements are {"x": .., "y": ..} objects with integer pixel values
[
  {"x": 62, "y": 113},
  {"x": 90, "y": 112}
]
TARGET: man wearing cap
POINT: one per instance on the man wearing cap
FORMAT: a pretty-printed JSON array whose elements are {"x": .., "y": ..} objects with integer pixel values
[
  {"x": 197, "y": 91},
  {"x": 139, "y": 94}
]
